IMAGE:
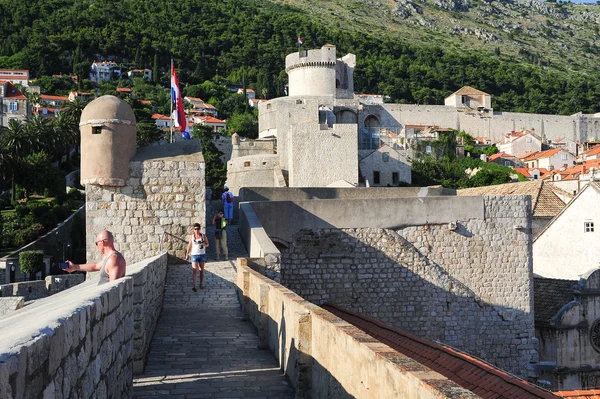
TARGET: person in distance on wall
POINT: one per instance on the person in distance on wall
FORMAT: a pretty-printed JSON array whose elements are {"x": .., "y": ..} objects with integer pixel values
[
  {"x": 220, "y": 234},
  {"x": 111, "y": 267},
  {"x": 227, "y": 198},
  {"x": 197, "y": 250}
]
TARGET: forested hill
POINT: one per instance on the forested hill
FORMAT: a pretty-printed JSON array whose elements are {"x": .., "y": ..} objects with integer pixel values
[{"x": 247, "y": 40}]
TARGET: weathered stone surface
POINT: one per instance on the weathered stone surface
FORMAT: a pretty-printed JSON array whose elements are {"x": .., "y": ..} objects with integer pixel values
[
  {"x": 468, "y": 287},
  {"x": 83, "y": 339}
]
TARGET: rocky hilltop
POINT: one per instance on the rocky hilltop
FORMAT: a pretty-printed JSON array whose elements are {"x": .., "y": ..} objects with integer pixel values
[{"x": 559, "y": 35}]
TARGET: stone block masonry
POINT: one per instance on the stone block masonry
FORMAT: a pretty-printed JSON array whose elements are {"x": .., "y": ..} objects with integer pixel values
[
  {"x": 164, "y": 196},
  {"x": 466, "y": 284},
  {"x": 84, "y": 342}
]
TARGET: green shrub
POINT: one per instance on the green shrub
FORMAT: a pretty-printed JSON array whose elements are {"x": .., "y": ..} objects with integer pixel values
[
  {"x": 38, "y": 209},
  {"x": 49, "y": 220},
  {"x": 62, "y": 212},
  {"x": 31, "y": 261},
  {"x": 21, "y": 210}
]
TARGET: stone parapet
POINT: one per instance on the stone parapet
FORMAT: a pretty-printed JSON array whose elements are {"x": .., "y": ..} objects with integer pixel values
[
  {"x": 31, "y": 290},
  {"x": 82, "y": 342},
  {"x": 10, "y": 304},
  {"x": 324, "y": 356}
]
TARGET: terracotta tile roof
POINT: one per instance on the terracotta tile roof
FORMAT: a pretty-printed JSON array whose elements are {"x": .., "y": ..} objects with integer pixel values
[
  {"x": 499, "y": 155},
  {"x": 123, "y": 90},
  {"x": 540, "y": 154},
  {"x": 53, "y": 97},
  {"x": 523, "y": 171},
  {"x": 580, "y": 394},
  {"x": 471, "y": 373},
  {"x": 543, "y": 200},
  {"x": 13, "y": 92},
  {"x": 549, "y": 296},
  {"x": 209, "y": 119},
  {"x": 591, "y": 151},
  {"x": 146, "y": 102},
  {"x": 468, "y": 90},
  {"x": 161, "y": 117}
]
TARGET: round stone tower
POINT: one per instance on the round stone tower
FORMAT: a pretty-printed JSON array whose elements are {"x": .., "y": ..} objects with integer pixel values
[
  {"x": 107, "y": 141},
  {"x": 312, "y": 72}
]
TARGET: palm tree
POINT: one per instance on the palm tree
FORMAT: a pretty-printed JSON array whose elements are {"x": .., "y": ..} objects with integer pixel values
[
  {"x": 15, "y": 144},
  {"x": 65, "y": 135}
]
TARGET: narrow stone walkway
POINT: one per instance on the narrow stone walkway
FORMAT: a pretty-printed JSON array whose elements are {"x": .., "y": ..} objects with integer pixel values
[{"x": 202, "y": 348}]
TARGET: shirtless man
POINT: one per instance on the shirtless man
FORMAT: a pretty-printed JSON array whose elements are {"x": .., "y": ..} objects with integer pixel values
[{"x": 111, "y": 267}]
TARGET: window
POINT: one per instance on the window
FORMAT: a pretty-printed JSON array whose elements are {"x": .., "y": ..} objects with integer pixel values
[
  {"x": 395, "y": 178},
  {"x": 563, "y": 156},
  {"x": 529, "y": 140},
  {"x": 97, "y": 129},
  {"x": 506, "y": 163},
  {"x": 246, "y": 164},
  {"x": 428, "y": 149},
  {"x": 376, "y": 179},
  {"x": 385, "y": 157},
  {"x": 588, "y": 227},
  {"x": 14, "y": 106}
]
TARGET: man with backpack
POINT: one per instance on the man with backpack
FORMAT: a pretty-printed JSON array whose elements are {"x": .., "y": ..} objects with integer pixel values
[
  {"x": 220, "y": 234},
  {"x": 227, "y": 198}
]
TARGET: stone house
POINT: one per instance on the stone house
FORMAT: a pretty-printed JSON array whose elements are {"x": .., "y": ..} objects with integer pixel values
[
  {"x": 13, "y": 104},
  {"x": 520, "y": 143},
  {"x": 590, "y": 154},
  {"x": 567, "y": 325},
  {"x": 545, "y": 203},
  {"x": 14, "y": 76},
  {"x": 250, "y": 94},
  {"x": 532, "y": 174},
  {"x": 145, "y": 73},
  {"x": 550, "y": 159},
  {"x": 216, "y": 124},
  {"x": 568, "y": 246},
  {"x": 80, "y": 95},
  {"x": 162, "y": 121},
  {"x": 468, "y": 97},
  {"x": 105, "y": 70},
  {"x": 385, "y": 167},
  {"x": 505, "y": 159}
]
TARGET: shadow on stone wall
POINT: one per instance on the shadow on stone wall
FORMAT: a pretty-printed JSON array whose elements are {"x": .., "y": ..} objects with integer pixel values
[{"x": 378, "y": 273}]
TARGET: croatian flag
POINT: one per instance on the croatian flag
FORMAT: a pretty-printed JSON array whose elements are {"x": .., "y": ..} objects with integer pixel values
[
  {"x": 179, "y": 111},
  {"x": 300, "y": 42}
]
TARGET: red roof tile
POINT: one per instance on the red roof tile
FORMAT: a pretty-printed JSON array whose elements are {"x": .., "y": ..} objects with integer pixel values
[
  {"x": 13, "y": 92},
  {"x": 53, "y": 97},
  {"x": 123, "y": 90},
  {"x": 470, "y": 372},
  {"x": 580, "y": 394}
]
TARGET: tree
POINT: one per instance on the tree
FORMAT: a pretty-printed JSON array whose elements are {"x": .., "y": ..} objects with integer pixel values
[
  {"x": 244, "y": 124},
  {"x": 147, "y": 133},
  {"x": 31, "y": 262},
  {"x": 155, "y": 70}
]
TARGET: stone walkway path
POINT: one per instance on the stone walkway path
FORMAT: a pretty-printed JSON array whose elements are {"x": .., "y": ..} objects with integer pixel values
[{"x": 202, "y": 348}]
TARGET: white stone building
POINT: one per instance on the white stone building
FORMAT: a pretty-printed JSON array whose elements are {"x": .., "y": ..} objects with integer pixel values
[
  {"x": 15, "y": 76},
  {"x": 162, "y": 121},
  {"x": 385, "y": 166},
  {"x": 470, "y": 98},
  {"x": 105, "y": 70},
  {"x": 568, "y": 247},
  {"x": 520, "y": 143},
  {"x": 549, "y": 159},
  {"x": 145, "y": 73},
  {"x": 215, "y": 124}
]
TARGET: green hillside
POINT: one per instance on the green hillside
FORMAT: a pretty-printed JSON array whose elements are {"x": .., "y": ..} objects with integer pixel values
[{"x": 415, "y": 56}]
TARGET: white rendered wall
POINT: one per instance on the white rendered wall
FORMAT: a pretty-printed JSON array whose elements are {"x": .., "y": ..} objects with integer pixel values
[
  {"x": 520, "y": 146},
  {"x": 313, "y": 81},
  {"x": 564, "y": 250}
]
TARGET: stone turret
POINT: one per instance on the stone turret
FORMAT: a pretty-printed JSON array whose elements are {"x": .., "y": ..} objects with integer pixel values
[
  {"x": 312, "y": 72},
  {"x": 107, "y": 141}
]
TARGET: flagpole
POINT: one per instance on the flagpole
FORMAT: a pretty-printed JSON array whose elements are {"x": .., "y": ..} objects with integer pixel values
[{"x": 171, "y": 115}]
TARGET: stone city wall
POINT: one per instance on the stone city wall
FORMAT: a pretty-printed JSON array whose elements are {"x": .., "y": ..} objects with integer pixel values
[
  {"x": 252, "y": 147},
  {"x": 493, "y": 125},
  {"x": 254, "y": 171},
  {"x": 324, "y": 356},
  {"x": 10, "y": 304},
  {"x": 308, "y": 166},
  {"x": 31, "y": 290},
  {"x": 82, "y": 342},
  {"x": 163, "y": 198},
  {"x": 466, "y": 283}
]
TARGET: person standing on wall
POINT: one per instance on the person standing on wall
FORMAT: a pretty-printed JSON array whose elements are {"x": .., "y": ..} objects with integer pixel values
[
  {"x": 220, "y": 234},
  {"x": 197, "y": 250},
  {"x": 228, "y": 199},
  {"x": 112, "y": 266}
]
